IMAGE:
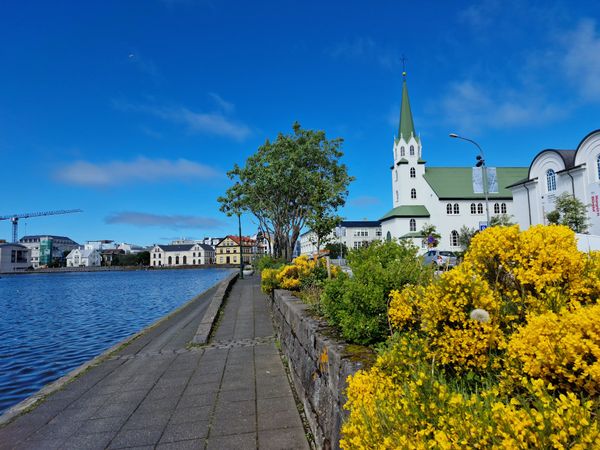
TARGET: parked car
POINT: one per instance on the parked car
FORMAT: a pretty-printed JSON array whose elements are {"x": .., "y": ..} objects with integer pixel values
[{"x": 440, "y": 258}]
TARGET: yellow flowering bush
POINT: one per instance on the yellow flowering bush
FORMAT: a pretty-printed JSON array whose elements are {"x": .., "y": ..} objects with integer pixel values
[
  {"x": 501, "y": 352},
  {"x": 292, "y": 276}
]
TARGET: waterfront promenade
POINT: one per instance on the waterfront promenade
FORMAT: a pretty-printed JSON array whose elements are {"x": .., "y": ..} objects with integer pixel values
[{"x": 158, "y": 392}]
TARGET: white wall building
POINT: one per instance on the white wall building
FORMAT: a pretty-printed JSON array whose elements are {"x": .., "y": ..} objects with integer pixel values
[
  {"x": 442, "y": 196},
  {"x": 182, "y": 255},
  {"x": 553, "y": 172},
  {"x": 14, "y": 258},
  {"x": 47, "y": 248},
  {"x": 84, "y": 257},
  {"x": 353, "y": 233},
  {"x": 130, "y": 248}
]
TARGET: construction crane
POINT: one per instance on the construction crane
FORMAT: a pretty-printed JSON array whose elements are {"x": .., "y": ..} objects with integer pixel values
[{"x": 14, "y": 218}]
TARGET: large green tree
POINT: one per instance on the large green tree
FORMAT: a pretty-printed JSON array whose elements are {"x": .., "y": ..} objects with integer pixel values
[
  {"x": 570, "y": 211},
  {"x": 288, "y": 182}
]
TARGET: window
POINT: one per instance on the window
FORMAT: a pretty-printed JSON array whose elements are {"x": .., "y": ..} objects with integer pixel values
[
  {"x": 412, "y": 150},
  {"x": 456, "y": 209},
  {"x": 454, "y": 238},
  {"x": 473, "y": 208},
  {"x": 396, "y": 195},
  {"x": 598, "y": 165},
  {"x": 413, "y": 193},
  {"x": 395, "y": 154},
  {"x": 449, "y": 208},
  {"x": 551, "y": 180},
  {"x": 170, "y": 260},
  {"x": 413, "y": 172},
  {"x": 177, "y": 260},
  {"x": 388, "y": 236},
  {"x": 503, "y": 208},
  {"x": 396, "y": 175},
  {"x": 412, "y": 225},
  {"x": 479, "y": 208},
  {"x": 378, "y": 232},
  {"x": 402, "y": 151},
  {"x": 496, "y": 208}
]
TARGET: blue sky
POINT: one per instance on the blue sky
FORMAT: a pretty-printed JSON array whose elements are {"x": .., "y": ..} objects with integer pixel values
[{"x": 134, "y": 111}]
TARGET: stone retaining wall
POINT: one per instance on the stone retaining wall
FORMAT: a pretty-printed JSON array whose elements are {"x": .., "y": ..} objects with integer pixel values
[{"x": 319, "y": 365}]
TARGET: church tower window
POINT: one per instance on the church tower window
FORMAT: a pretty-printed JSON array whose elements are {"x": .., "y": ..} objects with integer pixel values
[
  {"x": 473, "y": 208},
  {"x": 551, "y": 180},
  {"x": 413, "y": 172},
  {"x": 454, "y": 238},
  {"x": 396, "y": 175},
  {"x": 503, "y": 208},
  {"x": 456, "y": 209},
  {"x": 412, "y": 225},
  {"x": 397, "y": 198},
  {"x": 449, "y": 208},
  {"x": 413, "y": 193},
  {"x": 402, "y": 151},
  {"x": 598, "y": 165},
  {"x": 395, "y": 154},
  {"x": 496, "y": 208},
  {"x": 479, "y": 208},
  {"x": 412, "y": 150}
]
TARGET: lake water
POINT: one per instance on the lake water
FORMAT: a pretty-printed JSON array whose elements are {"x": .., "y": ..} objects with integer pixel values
[{"x": 52, "y": 323}]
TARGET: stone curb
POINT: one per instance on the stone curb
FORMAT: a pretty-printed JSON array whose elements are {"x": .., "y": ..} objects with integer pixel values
[
  {"x": 210, "y": 316},
  {"x": 56, "y": 385}
]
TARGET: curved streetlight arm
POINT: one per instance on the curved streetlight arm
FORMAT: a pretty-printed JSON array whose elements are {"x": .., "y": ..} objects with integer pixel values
[{"x": 456, "y": 136}]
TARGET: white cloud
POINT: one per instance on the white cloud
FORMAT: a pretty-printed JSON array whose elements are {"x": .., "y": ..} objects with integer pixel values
[
  {"x": 582, "y": 59},
  {"x": 84, "y": 173},
  {"x": 223, "y": 104},
  {"x": 197, "y": 122},
  {"x": 173, "y": 222}
]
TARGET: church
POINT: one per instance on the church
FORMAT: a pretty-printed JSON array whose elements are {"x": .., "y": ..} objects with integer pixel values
[{"x": 446, "y": 197}]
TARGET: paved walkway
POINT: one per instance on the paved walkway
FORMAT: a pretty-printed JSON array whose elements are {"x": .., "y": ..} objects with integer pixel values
[{"x": 158, "y": 393}]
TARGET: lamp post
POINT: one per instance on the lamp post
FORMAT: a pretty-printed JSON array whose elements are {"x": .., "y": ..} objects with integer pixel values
[
  {"x": 480, "y": 163},
  {"x": 239, "y": 214}
]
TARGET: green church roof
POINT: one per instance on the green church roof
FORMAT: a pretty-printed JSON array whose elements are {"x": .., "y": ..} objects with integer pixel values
[
  {"x": 407, "y": 126},
  {"x": 407, "y": 211},
  {"x": 412, "y": 234},
  {"x": 457, "y": 182}
]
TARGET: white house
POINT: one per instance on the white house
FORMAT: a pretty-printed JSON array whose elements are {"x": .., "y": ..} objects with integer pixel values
[
  {"x": 182, "y": 255},
  {"x": 14, "y": 258},
  {"x": 446, "y": 197},
  {"x": 552, "y": 172},
  {"x": 352, "y": 233},
  {"x": 84, "y": 257}
]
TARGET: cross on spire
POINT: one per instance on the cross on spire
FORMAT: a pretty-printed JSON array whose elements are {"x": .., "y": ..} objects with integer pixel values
[{"x": 403, "y": 59}]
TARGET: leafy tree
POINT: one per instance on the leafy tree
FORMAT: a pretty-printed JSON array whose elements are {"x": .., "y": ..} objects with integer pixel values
[
  {"x": 321, "y": 223},
  {"x": 288, "y": 183},
  {"x": 465, "y": 235},
  {"x": 431, "y": 238},
  {"x": 335, "y": 248},
  {"x": 570, "y": 211},
  {"x": 501, "y": 220}
]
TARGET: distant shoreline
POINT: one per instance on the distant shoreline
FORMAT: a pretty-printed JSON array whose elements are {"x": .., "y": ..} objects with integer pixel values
[{"x": 117, "y": 269}]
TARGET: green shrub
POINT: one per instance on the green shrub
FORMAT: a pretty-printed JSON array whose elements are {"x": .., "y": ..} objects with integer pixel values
[
  {"x": 357, "y": 305},
  {"x": 267, "y": 262}
]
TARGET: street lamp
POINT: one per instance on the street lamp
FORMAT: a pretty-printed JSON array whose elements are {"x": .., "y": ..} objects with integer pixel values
[
  {"x": 480, "y": 163},
  {"x": 239, "y": 214}
]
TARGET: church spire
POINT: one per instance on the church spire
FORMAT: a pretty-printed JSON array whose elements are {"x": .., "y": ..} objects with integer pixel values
[{"x": 407, "y": 127}]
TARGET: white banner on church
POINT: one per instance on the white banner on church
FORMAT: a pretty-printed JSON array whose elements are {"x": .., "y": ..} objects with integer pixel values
[{"x": 491, "y": 178}]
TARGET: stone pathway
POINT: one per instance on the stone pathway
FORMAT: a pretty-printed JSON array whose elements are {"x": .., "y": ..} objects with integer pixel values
[{"x": 157, "y": 393}]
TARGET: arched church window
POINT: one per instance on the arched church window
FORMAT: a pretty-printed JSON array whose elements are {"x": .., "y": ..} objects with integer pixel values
[
  {"x": 396, "y": 175},
  {"x": 598, "y": 165},
  {"x": 479, "y": 208},
  {"x": 413, "y": 172},
  {"x": 395, "y": 154},
  {"x": 396, "y": 195},
  {"x": 456, "y": 209},
  {"x": 412, "y": 150},
  {"x": 503, "y": 208},
  {"x": 170, "y": 260},
  {"x": 449, "y": 208},
  {"x": 412, "y": 225},
  {"x": 402, "y": 151},
  {"x": 473, "y": 208},
  {"x": 551, "y": 180},
  {"x": 388, "y": 236},
  {"x": 454, "y": 238},
  {"x": 413, "y": 193},
  {"x": 496, "y": 208},
  {"x": 177, "y": 260},
  {"x": 184, "y": 259}
]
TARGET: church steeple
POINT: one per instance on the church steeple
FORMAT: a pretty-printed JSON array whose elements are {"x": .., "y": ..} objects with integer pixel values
[{"x": 406, "y": 130}]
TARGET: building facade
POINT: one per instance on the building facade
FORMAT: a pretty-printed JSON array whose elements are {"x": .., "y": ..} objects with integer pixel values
[
  {"x": 46, "y": 249},
  {"x": 173, "y": 255},
  {"x": 227, "y": 250},
  {"x": 552, "y": 172},
  {"x": 84, "y": 257},
  {"x": 352, "y": 233},
  {"x": 14, "y": 258},
  {"x": 446, "y": 197}
]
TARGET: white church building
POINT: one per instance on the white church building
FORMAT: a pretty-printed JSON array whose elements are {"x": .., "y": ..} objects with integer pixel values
[
  {"x": 552, "y": 172},
  {"x": 446, "y": 197}
]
